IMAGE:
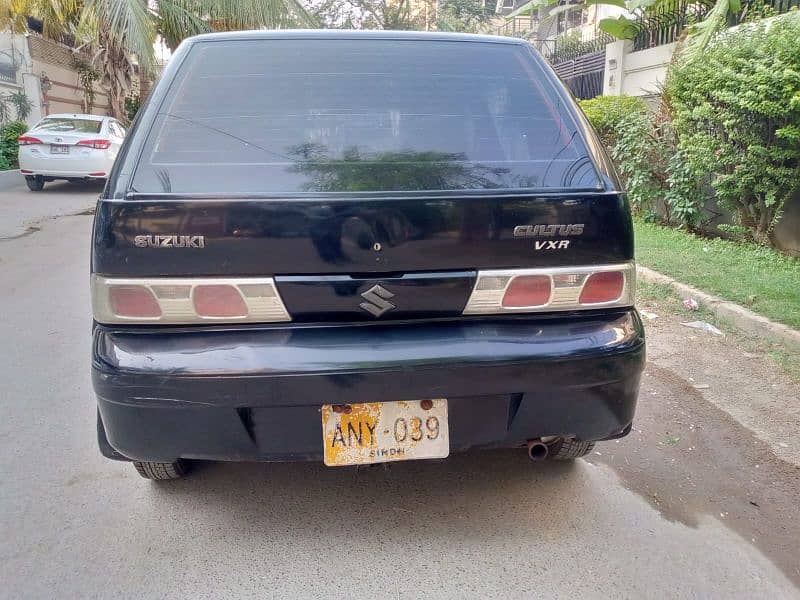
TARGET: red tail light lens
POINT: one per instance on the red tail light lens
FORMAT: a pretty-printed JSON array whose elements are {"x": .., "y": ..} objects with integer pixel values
[
  {"x": 528, "y": 290},
  {"x": 133, "y": 301},
  {"x": 218, "y": 301},
  {"x": 602, "y": 287},
  {"x": 96, "y": 144},
  {"x": 27, "y": 140}
]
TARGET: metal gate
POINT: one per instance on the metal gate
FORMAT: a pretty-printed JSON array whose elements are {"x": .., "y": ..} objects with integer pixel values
[{"x": 583, "y": 75}]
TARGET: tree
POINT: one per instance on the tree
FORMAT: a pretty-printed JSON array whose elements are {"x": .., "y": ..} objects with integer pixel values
[
  {"x": 737, "y": 115},
  {"x": 699, "y": 34},
  {"x": 56, "y": 15},
  {"x": 375, "y": 14},
  {"x": 444, "y": 15},
  {"x": 121, "y": 33},
  {"x": 462, "y": 15}
]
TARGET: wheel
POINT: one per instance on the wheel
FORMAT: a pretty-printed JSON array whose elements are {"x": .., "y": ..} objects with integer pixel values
[
  {"x": 35, "y": 183},
  {"x": 161, "y": 471},
  {"x": 566, "y": 449}
]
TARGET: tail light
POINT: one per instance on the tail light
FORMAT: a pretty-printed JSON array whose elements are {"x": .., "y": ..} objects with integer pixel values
[
  {"x": 602, "y": 287},
  {"x": 218, "y": 301},
  {"x": 172, "y": 301},
  {"x": 133, "y": 301},
  {"x": 528, "y": 290},
  {"x": 96, "y": 144},
  {"x": 27, "y": 140},
  {"x": 555, "y": 289}
]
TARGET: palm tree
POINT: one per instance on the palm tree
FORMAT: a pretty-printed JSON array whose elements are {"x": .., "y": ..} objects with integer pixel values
[{"x": 119, "y": 33}]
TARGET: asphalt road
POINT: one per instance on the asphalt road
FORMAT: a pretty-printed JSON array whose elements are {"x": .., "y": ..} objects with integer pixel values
[{"x": 695, "y": 503}]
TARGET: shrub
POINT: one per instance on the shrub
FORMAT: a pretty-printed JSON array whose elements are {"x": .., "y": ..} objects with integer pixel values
[
  {"x": 606, "y": 112},
  {"x": 9, "y": 148},
  {"x": 736, "y": 110},
  {"x": 637, "y": 143}
]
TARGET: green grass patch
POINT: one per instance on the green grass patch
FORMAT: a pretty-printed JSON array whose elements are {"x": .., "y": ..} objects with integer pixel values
[
  {"x": 662, "y": 300},
  {"x": 764, "y": 280}
]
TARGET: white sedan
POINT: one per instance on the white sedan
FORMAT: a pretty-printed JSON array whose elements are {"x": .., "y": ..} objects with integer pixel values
[{"x": 73, "y": 147}]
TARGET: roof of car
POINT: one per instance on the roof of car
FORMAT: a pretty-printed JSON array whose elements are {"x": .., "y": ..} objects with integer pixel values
[{"x": 354, "y": 34}]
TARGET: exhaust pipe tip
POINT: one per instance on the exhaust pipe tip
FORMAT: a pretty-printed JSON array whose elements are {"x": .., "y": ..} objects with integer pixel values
[{"x": 537, "y": 450}]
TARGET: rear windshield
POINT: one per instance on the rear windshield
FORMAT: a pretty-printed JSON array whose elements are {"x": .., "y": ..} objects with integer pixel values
[
  {"x": 68, "y": 125},
  {"x": 293, "y": 115}
]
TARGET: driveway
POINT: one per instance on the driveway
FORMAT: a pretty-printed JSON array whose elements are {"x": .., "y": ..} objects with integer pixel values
[
  {"x": 23, "y": 211},
  {"x": 699, "y": 501}
]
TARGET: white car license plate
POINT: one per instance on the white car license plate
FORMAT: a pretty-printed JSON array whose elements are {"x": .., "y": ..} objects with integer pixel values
[
  {"x": 357, "y": 434},
  {"x": 59, "y": 149}
]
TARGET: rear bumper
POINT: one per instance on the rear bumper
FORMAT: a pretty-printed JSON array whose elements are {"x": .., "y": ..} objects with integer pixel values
[
  {"x": 255, "y": 394},
  {"x": 65, "y": 174},
  {"x": 78, "y": 166}
]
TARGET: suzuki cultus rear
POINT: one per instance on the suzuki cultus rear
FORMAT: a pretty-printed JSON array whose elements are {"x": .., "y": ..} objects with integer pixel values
[{"x": 360, "y": 247}]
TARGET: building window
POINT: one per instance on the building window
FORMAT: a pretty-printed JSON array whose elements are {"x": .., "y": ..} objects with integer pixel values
[
  {"x": 8, "y": 72},
  {"x": 571, "y": 19},
  {"x": 576, "y": 17}
]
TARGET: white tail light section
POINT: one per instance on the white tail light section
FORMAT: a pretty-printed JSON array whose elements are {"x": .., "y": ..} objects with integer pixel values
[
  {"x": 552, "y": 289},
  {"x": 173, "y": 301}
]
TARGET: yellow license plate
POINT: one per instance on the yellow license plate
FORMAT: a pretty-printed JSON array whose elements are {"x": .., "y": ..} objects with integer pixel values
[{"x": 357, "y": 434}]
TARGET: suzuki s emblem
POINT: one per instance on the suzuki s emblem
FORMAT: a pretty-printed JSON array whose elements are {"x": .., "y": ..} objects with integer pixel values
[{"x": 377, "y": 301}]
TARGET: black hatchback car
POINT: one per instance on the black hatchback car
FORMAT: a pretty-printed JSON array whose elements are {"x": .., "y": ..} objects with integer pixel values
[{"x": 360, "y": 247}]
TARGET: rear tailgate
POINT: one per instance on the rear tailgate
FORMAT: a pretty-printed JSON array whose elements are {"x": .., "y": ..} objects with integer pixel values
[{"x": 324, "y": 252}]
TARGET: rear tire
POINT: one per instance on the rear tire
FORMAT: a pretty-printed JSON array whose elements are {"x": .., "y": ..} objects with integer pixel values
[
  {"x": 566, "y": 449},
  {"x": 161, "y": 471},
  {"x": 35, "y": 183}
]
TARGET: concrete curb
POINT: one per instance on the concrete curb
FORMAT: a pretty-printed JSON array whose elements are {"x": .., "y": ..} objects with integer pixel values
[
  {"x": 10, "y": 178},
  {"x": 741, "y": 317}
]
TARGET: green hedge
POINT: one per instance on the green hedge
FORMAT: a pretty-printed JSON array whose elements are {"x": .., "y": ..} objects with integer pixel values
[
  {"x": 9, "y": 148},
  {"x": 607, "y": 113},
  {"x": 728, "y": 129},
  {"x": 736, "y": 111},
  {"x": 637, "y": 144}
]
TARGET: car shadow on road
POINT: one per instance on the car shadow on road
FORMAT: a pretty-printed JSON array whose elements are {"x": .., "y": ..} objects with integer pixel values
[{"x": 465, "y": 493}]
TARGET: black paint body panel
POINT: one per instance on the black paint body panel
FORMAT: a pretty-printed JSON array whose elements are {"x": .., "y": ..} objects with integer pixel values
[
  {"x": 338, "y": 236},
  {"x": 255, "y": 394}
]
